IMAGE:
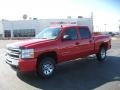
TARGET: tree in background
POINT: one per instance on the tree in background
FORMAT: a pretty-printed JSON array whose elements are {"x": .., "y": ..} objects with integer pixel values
[{"x": 24, "y": 16}]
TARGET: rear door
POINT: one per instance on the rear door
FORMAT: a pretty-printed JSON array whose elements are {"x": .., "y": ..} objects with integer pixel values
[{"x": 86, "y": 46}]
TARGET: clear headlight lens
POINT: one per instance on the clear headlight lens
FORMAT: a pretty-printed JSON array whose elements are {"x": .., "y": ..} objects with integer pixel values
[{"x": 27, "y": 53}]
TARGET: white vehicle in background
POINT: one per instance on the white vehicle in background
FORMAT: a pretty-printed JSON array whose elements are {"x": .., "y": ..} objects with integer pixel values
[{"x": 113, "y": 34}]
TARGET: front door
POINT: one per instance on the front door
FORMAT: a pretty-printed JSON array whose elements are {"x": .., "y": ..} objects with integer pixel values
[{"x": 69, "y": 44}]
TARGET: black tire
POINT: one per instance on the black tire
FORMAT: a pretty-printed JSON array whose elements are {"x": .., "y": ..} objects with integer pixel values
[
  {"x": 46, "y": 67},
  {"x": 101, "y": 55}
]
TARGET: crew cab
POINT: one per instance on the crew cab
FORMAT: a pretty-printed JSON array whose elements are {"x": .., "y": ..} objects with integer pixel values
[{"x": 55, "y": 45}]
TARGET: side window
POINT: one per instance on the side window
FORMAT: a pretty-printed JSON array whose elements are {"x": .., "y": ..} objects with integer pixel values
[
  {"x": 71, "y": 33},
  {"x": 84, "y": 33}
]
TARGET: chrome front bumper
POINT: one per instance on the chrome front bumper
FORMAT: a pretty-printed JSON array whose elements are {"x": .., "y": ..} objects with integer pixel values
[
  {"x": 11, "y": 61},
  {"x": 12, "y": 56}
]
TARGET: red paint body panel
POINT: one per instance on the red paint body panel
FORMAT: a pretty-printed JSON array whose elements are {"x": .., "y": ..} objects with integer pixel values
[
  {"x": 27, "y": 65},
  {"x": 65, "y": 50}
]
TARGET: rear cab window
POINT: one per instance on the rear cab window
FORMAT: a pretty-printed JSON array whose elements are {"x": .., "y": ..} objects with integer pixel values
[{"x": 84, "y": 33}]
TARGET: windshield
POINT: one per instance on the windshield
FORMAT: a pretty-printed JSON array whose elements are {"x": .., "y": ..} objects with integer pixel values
[{"x": 48, "y": 33}]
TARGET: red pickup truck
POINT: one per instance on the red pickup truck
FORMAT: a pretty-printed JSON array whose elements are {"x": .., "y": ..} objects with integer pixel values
[{"x": 54, "y": 45}]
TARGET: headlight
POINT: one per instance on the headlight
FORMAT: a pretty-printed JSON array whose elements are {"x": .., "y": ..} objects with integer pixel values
[{"x": 27, "y": 53}]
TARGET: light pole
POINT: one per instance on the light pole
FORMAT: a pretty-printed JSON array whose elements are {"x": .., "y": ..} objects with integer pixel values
[
  {"x": 119, "y": 29},
  {"x": 105, "y": 28},
  {"x": 119, "y": 26}
]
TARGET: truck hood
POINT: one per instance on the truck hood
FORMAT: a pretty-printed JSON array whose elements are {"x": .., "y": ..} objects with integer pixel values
[{"x": 26, "y": 43}]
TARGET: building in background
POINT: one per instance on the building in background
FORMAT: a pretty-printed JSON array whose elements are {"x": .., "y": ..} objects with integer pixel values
[
  {"x": 23, "y": 28},
  {"x": 29, "y": 28}
]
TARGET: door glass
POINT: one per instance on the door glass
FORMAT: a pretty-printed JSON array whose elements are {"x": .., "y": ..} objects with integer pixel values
[
  {"x": 84, "y": 33},
  {"x": 71, "y": 33}
]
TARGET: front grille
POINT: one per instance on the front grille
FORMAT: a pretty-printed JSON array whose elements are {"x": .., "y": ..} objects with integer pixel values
[
  {"x": 14, "y": 56},
  {"x": 13, "y": 53}
]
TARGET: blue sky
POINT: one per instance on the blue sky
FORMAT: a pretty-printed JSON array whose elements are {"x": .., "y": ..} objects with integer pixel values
[
  {"x": 104, "y": 11},
  {"x": 107, "y": 9}
]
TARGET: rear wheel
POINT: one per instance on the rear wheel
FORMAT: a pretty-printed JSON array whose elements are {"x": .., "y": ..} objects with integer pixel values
[
  {"x": 101, "y": 55},
  {"x": 46, "y": 67}
]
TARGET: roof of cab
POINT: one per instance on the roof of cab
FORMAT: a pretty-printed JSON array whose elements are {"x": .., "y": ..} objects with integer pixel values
[{"x": 65, "y": 26}]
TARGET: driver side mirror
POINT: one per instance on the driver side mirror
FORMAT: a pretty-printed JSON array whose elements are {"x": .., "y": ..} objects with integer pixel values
[{"x": 66, "y": 37}]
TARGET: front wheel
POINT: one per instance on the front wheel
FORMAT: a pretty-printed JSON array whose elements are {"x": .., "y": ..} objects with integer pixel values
[
  {"x": 46, "y": 67},
  {"x": 101, "y": 55}
]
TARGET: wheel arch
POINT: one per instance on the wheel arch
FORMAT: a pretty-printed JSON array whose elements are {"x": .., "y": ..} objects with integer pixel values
[
  {"x": 51, "y": 54},
  {"x": 104, "y": 44}
]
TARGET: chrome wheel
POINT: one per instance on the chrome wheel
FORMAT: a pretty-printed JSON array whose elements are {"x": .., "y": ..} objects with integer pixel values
[
  {"x": 48, "y": 68},
  {"x": 103, "y": 53}
]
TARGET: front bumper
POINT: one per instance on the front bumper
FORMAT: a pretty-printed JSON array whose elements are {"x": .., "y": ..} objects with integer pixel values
[
  {"x": 23, "y": 65},
  {"x": 11, "y": 61}
]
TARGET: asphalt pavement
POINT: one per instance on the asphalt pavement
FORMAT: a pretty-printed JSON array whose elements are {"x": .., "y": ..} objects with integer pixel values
[{"x": 83, "y": 74}]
